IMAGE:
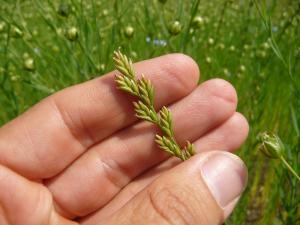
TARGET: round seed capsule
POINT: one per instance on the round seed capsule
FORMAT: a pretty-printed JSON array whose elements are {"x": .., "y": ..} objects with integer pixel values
[
  {"x": 129, "y": 32},
  {"x": 2, "y": 26},
  {"x": 208, "y": 60},
  {"x": 55, "y": 48},
  {"x": 105, "y": 12},
  {"x": 16, "y": 32},
  {"x": 198, "y": 21},
  {"x": 29, "y": 64},
  {"x": 72, "y": 34},
  {"x": 1, "y": 71},
  {"x": 232, "y": 48},
  {"x": 25, "y": 55},
  {"x": 64, "y": 9},
  {"x": 100, "y": 67},
  {"x": 242, "y": 68},
  {"x": 211, "y": 41},
  {"x": 175, "y": 28},
  {"x": 271, "y": 145}
]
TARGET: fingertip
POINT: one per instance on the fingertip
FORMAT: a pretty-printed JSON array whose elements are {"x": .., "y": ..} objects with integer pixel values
[
  {"x": 222, "y": 89},
  {"x": 230, "y": 207},
  {"x": 241, "y": 127}
]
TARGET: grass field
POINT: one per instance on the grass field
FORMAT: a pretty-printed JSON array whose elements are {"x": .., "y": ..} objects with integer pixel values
[{"x": 228, "y": 38}]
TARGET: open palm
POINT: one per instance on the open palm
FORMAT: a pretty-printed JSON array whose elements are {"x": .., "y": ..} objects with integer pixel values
[{"x": 81, "y": 156}]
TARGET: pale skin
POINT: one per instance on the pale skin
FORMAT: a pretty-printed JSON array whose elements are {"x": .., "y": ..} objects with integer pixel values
[{"x": 81, "y": 157}]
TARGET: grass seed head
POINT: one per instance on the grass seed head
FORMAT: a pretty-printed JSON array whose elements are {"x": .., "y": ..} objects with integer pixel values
[{"x": 144, "y": 90}]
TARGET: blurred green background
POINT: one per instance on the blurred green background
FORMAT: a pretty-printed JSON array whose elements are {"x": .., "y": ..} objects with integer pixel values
[{"x": 48, "y": 45}]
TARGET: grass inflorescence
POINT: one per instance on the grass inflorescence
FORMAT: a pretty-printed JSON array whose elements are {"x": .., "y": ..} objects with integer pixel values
[
  {"x": 48, "y": 45},
  {"x": 145, "y": 109}
]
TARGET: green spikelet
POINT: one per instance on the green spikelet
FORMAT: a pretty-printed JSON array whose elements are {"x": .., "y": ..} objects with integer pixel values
[{"x": 144, "y": 107}]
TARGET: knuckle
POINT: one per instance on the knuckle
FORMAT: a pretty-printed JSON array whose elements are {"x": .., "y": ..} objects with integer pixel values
[
  {"x": 171, "y": 204},
  {"x": 222, "y": 89},
  {"x": 183, "y": 69}
]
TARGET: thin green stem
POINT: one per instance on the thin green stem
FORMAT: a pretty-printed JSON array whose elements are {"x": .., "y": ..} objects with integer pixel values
[{"x": 289, "y": 168}]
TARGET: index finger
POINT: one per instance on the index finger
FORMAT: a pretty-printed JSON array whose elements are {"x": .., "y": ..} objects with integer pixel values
[{"x": 47, "y": 138}]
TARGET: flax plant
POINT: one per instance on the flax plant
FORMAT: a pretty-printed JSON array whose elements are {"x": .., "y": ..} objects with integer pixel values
[
  {"x": 272, "y": 147},
  {"x": 145, "y": 110}
]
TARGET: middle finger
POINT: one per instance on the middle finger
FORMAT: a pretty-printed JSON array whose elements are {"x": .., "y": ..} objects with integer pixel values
[{"x": 98, "y": 175}]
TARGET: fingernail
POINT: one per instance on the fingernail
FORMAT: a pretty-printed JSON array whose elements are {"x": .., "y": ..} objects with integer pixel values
[{"x": 225, "y": 175}]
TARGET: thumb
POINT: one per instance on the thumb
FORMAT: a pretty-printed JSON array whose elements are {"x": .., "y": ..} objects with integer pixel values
[{"x": 200, "y": 191}]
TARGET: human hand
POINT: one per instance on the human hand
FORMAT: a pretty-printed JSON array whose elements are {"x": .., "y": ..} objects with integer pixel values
[{"x": 81, "y": 157}]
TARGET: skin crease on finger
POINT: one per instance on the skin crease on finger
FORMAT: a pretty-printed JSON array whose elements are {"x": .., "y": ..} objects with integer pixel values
[
  {"x": 171, "y": 202},
  {"x": 99, "y": 111},
  {"x": 209, "y": 135},
  {"x": 238, "y": 126},
  {"x": 167, "y": 78},
  {"x": 203, "y": 106}
]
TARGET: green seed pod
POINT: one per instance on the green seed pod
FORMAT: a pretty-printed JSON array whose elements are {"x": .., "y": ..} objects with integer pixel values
[
  {"x": 14, "y": 77},
  {"x": 72, "y": 34},
  {"x": 232, "y": 48},
  {"x": 208, "y": 60},
  {"x": 35, "y": 32},
  {"x": 100, "y": 67},
  {"x": 266, "y": 45},
  {"x": 242, "y": 69},
  {"x": 2, "y": 70},
  {"x": 16, "y": 32},
  {"x": 25, "y": 55},
  {"x": 197, "y": 22},
  {"x": 226, "y": 72},
  {"x": 64, "y": 9},
  {"x": 175, "y": 28},
  {"x": 29, "y": 64},
  {"x": 2, "y": 26},
  {"x": 261, "y": 54},
  {"x": 55, "y": 48},
  {"x": 221, "y": 46},
  {"x": 129, "y": 32},
  {"x": 271, "y": 145},
  {"x": 134, "y": 54},
  {"x": 105, "y": 12},
  {"x": 246, "y": 47},
  {"x": 211, "y": 41}
]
